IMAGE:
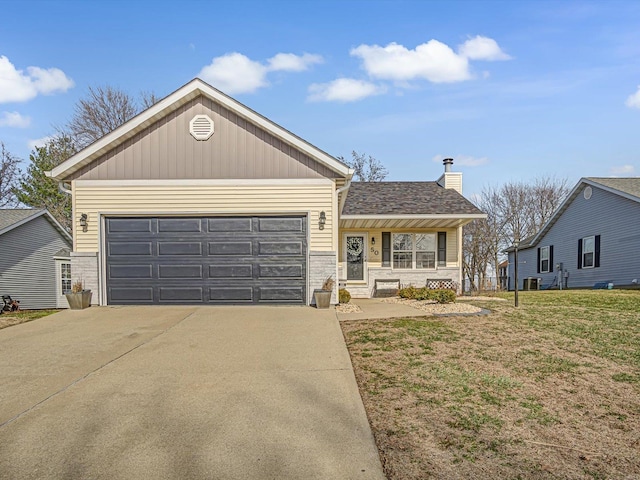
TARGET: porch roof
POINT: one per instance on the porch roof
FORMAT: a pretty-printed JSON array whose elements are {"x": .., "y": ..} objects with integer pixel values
[{"x": 406, "y": 205}]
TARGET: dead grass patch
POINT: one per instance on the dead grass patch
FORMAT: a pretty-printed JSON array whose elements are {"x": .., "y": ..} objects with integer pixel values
[
  {"x": 548, "y": 390},
  {"x": 9, "y": 319}
]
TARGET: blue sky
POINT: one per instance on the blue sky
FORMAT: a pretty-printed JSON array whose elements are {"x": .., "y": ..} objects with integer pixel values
[{"x": 510, "y": 89}]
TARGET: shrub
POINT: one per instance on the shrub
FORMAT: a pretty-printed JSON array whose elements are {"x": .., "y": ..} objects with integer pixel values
[
  {"x": 328, "y": 284},
  {"x": 344, "y": 296},
  {"x": 424, "y": 293}
]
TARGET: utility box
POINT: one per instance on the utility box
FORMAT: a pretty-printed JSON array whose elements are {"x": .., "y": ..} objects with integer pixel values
[{"x": 531, "y": 283}]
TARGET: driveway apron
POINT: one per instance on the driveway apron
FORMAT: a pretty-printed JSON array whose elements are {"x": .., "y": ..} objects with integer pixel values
[{"x": 198, "y": 392}]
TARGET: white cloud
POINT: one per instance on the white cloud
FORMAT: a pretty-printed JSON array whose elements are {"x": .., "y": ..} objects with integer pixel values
[
  {"x": 633, "y": 101},
  {"x": 622, "y": 170},
  {"x": 463, "y": 160},
  {"x": 482, "y": 48},
  {"x": 288, "y": 62},
  {"x": 237, "y": 73},
  {"x": 433, "y": 61},
  {"x": 14, "y": 119},
  {"x": 18, "y": 86},
  {"x": 343, "y": 90},
  {"x": 38, "y": 142}
]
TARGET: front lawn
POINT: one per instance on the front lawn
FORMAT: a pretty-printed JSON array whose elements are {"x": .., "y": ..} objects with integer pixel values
[
  {"x": 548, "y": 390},
  {"x": 7, "y": 319}
]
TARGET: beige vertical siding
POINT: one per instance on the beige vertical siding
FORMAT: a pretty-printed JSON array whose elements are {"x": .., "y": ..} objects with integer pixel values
[
  {"x": 237, "y": 149},
  {"x": 94, "y": 198}
]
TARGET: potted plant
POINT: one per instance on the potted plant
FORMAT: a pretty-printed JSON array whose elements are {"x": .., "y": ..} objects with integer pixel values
[
  {"x": 78, "y": 298},
  {"x": 323, "y": 295}
]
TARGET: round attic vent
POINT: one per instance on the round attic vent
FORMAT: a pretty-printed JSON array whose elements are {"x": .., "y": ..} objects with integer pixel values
[
  {"x": 587, "y": 193},
  {"x": 201, "y": 127}
]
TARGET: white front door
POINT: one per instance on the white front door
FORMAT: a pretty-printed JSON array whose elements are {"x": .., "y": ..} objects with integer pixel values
[
  {"x": 356, "y": 257},
  {"x": 63, "y": 282}
]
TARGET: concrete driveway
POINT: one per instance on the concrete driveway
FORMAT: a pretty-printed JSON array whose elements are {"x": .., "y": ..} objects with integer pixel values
[{"x": 182, "y": 392}]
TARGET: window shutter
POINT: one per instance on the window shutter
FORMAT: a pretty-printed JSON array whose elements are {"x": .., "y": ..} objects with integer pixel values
[
  {"x": 442, "y": 249},
  {"x": 579, "y": 253},
  {"x": 386, "y": 249},
  {"x": 538, "y": 270},
  {"x": 596, "y": 262},
  {"x": 551, "y": 258}
]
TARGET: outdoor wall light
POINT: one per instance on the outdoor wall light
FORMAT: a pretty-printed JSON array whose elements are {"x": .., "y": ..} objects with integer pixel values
[
  {"x": 322, "y": 220},
  {"x": 83, "y": 221},
  {"x": 373, "y": 240}
]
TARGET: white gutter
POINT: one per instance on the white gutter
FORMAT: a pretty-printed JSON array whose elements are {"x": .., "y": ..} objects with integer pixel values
[
  {"x": 344, "y": 197},
  {"x": 62, "y": 188}
]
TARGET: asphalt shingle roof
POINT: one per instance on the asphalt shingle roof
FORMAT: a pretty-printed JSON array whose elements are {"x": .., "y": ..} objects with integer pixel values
[
  {"x": 11, "y": 216},
  {"x": 405, "y": 198},
  {"x": 630, "y": 186}
]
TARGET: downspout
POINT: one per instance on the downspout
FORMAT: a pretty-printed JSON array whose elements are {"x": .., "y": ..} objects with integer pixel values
[
  {"x": 344, "y": 198},
  {"x": 62, "y": 188}
]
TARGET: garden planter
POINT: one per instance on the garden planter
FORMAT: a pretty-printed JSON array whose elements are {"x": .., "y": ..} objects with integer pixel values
[
  {"x": 323, "y": 298},
  {"x": 79, "y": 300}
]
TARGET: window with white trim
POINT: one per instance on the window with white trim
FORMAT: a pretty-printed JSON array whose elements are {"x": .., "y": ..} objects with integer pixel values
[
  {"x": 65, "y": 275},
  {"x": 588, "y": 251},
  {"x": 414, "y": 250},
  {"x": 544, "y": 260}
]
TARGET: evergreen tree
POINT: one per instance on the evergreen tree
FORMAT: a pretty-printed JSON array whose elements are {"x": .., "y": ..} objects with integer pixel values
[{"x": 39, "y": 191}]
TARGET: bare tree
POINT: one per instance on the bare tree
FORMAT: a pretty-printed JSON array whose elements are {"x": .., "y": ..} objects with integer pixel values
[
  {"x": 8, "y": 177},
  {"x": 103, "y": 110},
  {"x": 366, "y": 168},
  {"x": 514, "y": 210}
]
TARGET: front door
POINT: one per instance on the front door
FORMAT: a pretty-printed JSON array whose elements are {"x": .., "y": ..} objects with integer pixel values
[{"x": 355, "y": 250}]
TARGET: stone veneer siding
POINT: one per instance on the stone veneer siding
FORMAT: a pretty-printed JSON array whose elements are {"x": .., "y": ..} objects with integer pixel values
[
  {"x": 321, "y": 265},
  {"x": 417, "y": 278},
  {"x": 84, "y": 267}
]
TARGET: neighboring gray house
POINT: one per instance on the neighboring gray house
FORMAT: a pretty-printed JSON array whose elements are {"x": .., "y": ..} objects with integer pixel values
[
  {"x": 594, "y": 237},
  {"x": 35, "y": 265}
]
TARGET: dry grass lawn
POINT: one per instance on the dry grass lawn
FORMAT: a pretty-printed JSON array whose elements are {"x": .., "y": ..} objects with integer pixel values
[
  {"x": 9, "y": 319},
  {"x": 550, "y": 390}
]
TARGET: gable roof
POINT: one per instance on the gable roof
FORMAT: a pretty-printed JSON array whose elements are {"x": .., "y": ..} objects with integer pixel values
[
  {"x": 11, "y": 218},
  {"x": 405, "y": 204},
  {"x": 628, "y": 188},
  {"x": 172, "y": 102}
]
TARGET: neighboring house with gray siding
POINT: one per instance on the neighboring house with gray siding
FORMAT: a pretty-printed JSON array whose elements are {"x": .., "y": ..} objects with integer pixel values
[
  {"x": 594, "y": 237},
  {"x": 34, "y": 258}
]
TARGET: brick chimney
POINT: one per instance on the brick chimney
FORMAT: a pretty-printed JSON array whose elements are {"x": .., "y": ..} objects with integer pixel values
[{"x": 450, "y": 179}]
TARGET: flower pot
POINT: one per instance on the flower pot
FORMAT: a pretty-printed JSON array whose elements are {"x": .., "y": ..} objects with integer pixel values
[
  {"x": 79, "y": 300},
  {"x": 323, "y": 298}
]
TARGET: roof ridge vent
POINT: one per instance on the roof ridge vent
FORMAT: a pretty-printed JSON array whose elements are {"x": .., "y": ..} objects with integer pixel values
[{"x": 201, "y": 127}]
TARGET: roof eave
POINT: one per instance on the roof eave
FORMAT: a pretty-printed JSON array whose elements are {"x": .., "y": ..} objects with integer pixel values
[{"x": 174, "y": 100}]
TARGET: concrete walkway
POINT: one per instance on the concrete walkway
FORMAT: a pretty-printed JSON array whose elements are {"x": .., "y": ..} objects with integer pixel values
[{"x": 198, "y": 392}]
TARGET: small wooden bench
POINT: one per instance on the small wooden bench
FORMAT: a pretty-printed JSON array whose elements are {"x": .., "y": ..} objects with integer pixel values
[{"x": 386, "y": 287}]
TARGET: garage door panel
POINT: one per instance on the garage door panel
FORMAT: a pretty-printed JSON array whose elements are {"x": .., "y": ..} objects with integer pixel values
[
  {"x": 135, "y": 295},
  {"x": 224, "y": 225},
  {"x": 230, "y": 248},
  {"x": 231, "y": 294},
  {"x": 195, "y": 260},
  {"x": 129, "y": 225},
  {"x": 129, "y": 248},
  {"x": 181, "y": 294},
  {"x": 281, "y": 225},
  {"x": 186, "y": 225},
  {"x": 281, "y": 271},
  {"x": 179, "y": 271},
  {"x": 281, "y": 294},
  {"x": 230, "y": 271},
  {"x": 179, "y": 248},
  {"x": 130, "y": 271},
  {"x": 280, "y": 248}
]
